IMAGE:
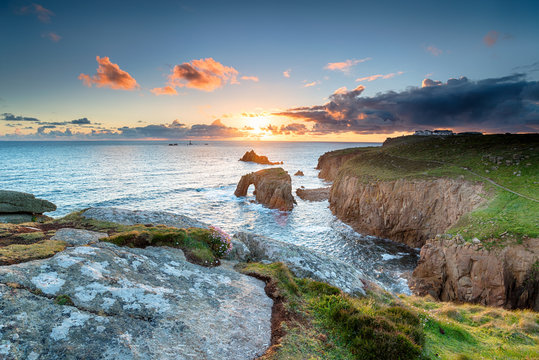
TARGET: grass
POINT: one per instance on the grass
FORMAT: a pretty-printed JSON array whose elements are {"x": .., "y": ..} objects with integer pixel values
[
  {"x": 509, "y": 160},
  {"x": 17, "y": 253},
  {"x": 323, "y": 323}
]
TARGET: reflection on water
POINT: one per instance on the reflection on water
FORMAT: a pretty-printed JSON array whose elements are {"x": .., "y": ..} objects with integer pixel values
[{"x": 198, "y": 181}]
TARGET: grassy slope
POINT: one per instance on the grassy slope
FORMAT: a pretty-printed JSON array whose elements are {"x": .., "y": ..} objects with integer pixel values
[
  {"x": 505, "y": 216},
  {"x": 326, "y": 324}
]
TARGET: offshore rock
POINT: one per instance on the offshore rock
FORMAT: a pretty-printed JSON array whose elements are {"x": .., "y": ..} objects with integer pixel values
[
  {"x": 130, "y": 304},
  {"x": 304, "y": 262},
  {"x": 251, "y": 156},
  {"x": 407, "y": 211},
  {"x": 319, "y": 194},
  {"x": 452, "y": 270},
  {"x": 273, "y": 188}
]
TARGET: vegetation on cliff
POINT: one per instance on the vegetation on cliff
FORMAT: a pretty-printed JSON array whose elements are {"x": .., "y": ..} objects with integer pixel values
[
  {"x": 507, "y": 165},
  {"x": 313, "y": 320}
]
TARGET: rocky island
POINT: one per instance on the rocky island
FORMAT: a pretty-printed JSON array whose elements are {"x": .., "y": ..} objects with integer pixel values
[
  {"x": 251, "y": 156},
  {"x": 273, "y": 188}
]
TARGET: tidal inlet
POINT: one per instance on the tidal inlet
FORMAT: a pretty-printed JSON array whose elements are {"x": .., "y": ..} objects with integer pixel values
[{"x": 278, "y": 180}]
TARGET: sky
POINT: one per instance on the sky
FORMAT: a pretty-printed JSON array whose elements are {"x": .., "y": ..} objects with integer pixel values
[{"x": 266, "y": 70}]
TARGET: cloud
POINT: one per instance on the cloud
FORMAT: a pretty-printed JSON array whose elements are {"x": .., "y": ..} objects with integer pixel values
[
  {"x": 165, "y": 90},
  {"x": 508, "y": 103},
  {"x": 44, "y": 15},
  {"x": 380, "y": 76},
  {"x": 434, "y": 50},
  {"x": 344, "y": 66},
  {"x": 286, "y": 73},
  {"x": 51, "y": 36},
  {"x": 11, "y": 117},
  {"x": 429, "y": 82},
  {"x": 203, "y": 74},
  {"x": 311, "y": 84},
  {"x": 250, "y": 78},
  {"x": 109, "y": 75},
  {"x": 491, "y": 38},
  {"x": 81, "y": 121}
]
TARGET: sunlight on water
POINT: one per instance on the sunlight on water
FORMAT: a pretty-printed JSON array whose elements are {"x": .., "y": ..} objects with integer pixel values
[{"x": 198, "y": 181}]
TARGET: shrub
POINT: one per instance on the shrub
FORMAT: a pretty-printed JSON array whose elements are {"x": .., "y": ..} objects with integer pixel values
[{"x": 220, "y": 241}]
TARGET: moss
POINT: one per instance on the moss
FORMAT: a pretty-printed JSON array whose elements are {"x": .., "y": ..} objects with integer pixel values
[
  {"x": 63, "y": 300},
  {"x": 17, "y": 253}
]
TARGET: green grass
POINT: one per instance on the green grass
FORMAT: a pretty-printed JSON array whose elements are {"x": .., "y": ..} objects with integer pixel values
[
  {"x": 17, "y": 253},
  {"x": 323, "y": 323},
  {"x": 429, "y": 157}
]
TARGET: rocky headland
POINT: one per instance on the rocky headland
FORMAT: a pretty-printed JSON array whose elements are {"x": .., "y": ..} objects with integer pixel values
[
  {"x": 251, "y": 156},
  {"x": 273, "y": 188},
  {"x": 414, "y": 188}
]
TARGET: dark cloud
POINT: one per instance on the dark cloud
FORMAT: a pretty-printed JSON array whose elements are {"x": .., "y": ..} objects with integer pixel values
[
  {"x": 509, "y": 103},
  {"x": 43, "y": 14},
  {"x": 82, "y": 121},
  {"x": 11, "y": 117}
]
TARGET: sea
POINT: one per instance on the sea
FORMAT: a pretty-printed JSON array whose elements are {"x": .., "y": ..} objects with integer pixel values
[{"x": 199, "y": 180}]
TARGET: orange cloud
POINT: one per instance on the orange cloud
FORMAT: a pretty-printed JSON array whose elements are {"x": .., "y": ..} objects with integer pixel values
[
  {"x": 311, "y": 84},
  {"x": 251, "y": 78},
  {"x": 345, "y": 66},
  {"x": 491, "y": 38},
  {"x": 204, "y": 74},
  {"x": 109, "y": 75},
  {"x": 380, "y": 76},
  {"x": 52, "y": 36},
  {"x": 44, "y": 15},
  {"x": 434, "y": 50},
  {"x": 286, "y": 73},
  {"x": 165, "y": 90}
]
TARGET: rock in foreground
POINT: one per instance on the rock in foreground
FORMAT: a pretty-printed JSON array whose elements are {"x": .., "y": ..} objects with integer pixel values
[
  {"x": 273, "y": 188},
  {"x": 18, "y": 207},
  {"x": 251, "y": 156},
  {"x": 304, "y": 262},
  {"x": 452, "y": 270},
  {"x": 130, "y": 304},
  {"x": 319, "y": 194}
]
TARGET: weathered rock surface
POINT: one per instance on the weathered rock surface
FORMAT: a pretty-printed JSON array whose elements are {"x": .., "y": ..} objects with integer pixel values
[
  {"x": 330, "y": 163},
  {"x": 304, "y": 262},
  {"x": 132, "y": 217},
  {"x": 319, "y": 194},
  {"x": 251, "y": 156},
  {"x": 451, "y": 270},
  {"x": 273, "y": 188},
  {"x": 130, "y": 304},
  {"x": 18, "y": 207},
  {"x": 78, "y": 236},
  {"x": 408, "y": 211}
]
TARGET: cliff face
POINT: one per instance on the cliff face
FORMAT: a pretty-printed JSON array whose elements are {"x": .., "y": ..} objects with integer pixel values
[
  {"x": 451, "y": 270},
  {"x": 330, "y": 163},
  {"x": 273, "y": 188},
  {"x": 408, "y": 211}
]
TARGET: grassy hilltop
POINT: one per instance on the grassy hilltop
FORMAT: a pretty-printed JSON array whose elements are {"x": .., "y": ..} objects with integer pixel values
[{"x": 509, "y": 161}]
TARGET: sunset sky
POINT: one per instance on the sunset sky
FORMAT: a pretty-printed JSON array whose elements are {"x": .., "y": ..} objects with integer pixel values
[{"x": 268, "y": 70}]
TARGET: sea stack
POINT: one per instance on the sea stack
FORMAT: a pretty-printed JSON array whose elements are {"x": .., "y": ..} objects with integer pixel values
[
  {"x": 273, "y": 188},
  {"x": 251, "y": 156}
]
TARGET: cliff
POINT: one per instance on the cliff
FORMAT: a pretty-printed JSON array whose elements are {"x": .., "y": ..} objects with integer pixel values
[
  {"x": 407, "y": 211},
  {"x": 453, "y": 270},
  {"x": 273, "y": 188},
  {"x": 330, "y": 163}
]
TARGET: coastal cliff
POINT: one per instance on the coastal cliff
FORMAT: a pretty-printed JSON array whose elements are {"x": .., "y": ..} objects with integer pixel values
[
  {"x": 407, "y": 211},
  {"x": 478, "y": 189}
]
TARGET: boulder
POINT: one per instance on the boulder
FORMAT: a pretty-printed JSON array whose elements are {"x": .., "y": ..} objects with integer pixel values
[
  {"x": 129, "y": 303},
  {"x": 319, "y": 194},
  {"x": 299, "y": 173},
  {"x": 78, "y": 236},
  {"x": 450, "y": 269},
  {"x": 273, "y": 188},
  {"x": 19, "y": 202},
  {"x": 251, "y": 156},
  {"x": 304, "y": 262}
]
